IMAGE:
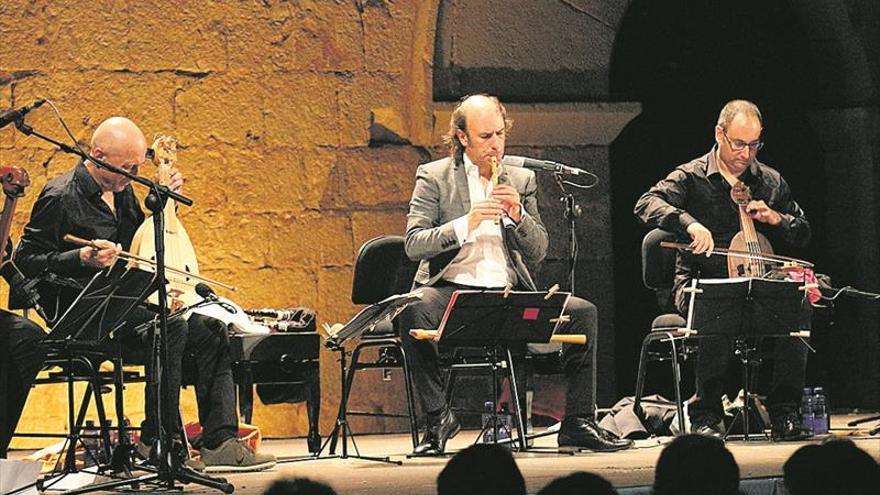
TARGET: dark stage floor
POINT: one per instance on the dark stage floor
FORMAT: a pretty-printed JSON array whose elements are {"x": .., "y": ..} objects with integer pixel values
[{"x": 757, "y": 459}]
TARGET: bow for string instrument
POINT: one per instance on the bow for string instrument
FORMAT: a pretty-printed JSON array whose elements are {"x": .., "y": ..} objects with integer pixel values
[
  {"x": 750, "y": 253},
  {"x": 179, "y": 252}
]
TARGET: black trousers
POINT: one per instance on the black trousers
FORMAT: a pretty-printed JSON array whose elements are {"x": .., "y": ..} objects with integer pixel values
[
  {"x": 204, "y": 340},
  {"x": 422, "y": 355},
  {"x": 788, "y": 358},
  {"x": 20, "y": 361}
]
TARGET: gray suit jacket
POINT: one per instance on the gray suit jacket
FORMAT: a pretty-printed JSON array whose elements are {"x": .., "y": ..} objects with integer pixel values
[{"x": 441, "y": 195}]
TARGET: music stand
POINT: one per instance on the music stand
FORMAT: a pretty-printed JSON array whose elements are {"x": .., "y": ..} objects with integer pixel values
[
  {"x": 86, "y": 326},
  {"x": 740, "y": 308},
  {"x": 337, "y": 336},
  {"x": 500, "y": 320},
  {"x": 102, "y": 307}
]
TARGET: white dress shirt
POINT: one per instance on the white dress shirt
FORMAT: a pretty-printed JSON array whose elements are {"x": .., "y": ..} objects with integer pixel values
[{"x": 482, "y": 261}]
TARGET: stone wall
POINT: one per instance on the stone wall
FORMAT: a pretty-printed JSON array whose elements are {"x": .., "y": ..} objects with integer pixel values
[{"x": 272, "y": 104}]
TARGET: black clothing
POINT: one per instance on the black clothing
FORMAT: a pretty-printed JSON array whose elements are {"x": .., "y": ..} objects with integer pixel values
[
  {"x": 20, "y": 360},
  {"x": 422, "y": 354},
  {"x": 697, "y": 192},
  {"x": 72, "y": 204}
]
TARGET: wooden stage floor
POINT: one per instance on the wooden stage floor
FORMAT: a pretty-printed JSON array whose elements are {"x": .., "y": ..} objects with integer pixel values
[{"x": 757, "y": 459}]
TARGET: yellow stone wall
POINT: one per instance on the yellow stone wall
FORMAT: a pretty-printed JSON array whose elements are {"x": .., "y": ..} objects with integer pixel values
[{"x": 272, "y": 102}]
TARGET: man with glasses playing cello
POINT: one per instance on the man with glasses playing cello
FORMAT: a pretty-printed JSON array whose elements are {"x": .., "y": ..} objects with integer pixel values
[{"x": 695, "y": 200}]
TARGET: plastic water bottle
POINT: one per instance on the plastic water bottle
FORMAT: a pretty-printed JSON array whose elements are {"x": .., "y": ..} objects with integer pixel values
[
  {"x": 91, "y": 444},
  {"x": 487, "y": 418},
  {"x": 820, "y": 412},
  {"x": 504, "y": 426},
  {"x": 807, "y": 414}
]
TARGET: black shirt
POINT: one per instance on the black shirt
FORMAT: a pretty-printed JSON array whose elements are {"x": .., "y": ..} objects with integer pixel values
[
  {"x": 697, "y": 192},
  {"x": 71, "y": 204}
]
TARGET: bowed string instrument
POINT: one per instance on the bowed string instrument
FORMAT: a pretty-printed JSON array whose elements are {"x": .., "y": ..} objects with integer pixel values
[
  {"x": 180, "y": 256},
  {"x": 750, "y": 253}
]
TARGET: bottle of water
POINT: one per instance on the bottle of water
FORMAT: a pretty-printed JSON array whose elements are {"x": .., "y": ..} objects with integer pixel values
[
  {"x": 807, "y": 415},
  {"x": 487, "y": 419},
  {"x": 504, "y": 421},
  {"x": 820, "y": 412},
  {"x": 91, "y": 444}
]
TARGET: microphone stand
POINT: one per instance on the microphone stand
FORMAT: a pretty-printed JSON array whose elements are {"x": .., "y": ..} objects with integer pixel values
[
  {"x": 571, "y": 213},
  {"x": 170, "y": 468}
]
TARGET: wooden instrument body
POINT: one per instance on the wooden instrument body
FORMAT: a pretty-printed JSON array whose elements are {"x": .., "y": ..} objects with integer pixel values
[
  {"x": 747, "y": 239},
  {"x": 179, "y": 251}
]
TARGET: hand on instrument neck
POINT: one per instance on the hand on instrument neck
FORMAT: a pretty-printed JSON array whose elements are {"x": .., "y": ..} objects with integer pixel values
[{"x": 759, "y": 211}]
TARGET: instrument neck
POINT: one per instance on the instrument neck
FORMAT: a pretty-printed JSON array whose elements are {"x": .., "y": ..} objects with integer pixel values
[
  {"x": 6, "y": 222},
  {"x": 750, "y": 236}
]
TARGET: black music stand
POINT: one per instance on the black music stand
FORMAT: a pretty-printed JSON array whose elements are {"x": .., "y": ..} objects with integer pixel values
[
  {"x": 365, "y": 321},
  {"x": 102, "y": 307},
  {"x": 741, "y": 308},
  {"x": 497, "y": 321},
  {"x": 86, "y": 327}
]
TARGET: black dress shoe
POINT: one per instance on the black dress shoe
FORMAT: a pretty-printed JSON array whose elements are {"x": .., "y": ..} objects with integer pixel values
[
  {"x": 314, "y": 442},
  {"x": 440, "y": 429},
  {"x": 709, "y": 427},
  {"x": 787, "y": 428},
  {"x": 584, "y": 433}
]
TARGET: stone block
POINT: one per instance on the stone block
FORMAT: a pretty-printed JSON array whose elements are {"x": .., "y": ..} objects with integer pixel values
[
  {"x": 388, "y": 28},
  {"x": 311, "y": 239},
  {"x": 334, "y": 295},
  {"x": 226, "y": 108},
  {"x": 252, "y": 178},
  {"x": 316, "y": 35},
  {"x": 186, "y": 38},
  {"x": 301, "y": 110},
  {"x": 366, "y": 225},
  {"x": 378, "y": 176},
  {"x": 358, "y": 95},
  {"x": 87, "y": 98}
]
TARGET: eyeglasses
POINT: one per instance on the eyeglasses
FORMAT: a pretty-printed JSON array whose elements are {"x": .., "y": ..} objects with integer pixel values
[{"x": 739, "y": 145}]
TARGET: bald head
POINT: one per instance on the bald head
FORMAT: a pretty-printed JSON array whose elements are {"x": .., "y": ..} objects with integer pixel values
[
  {"x": 117, "y": 134},
  {"x": 117, "y": 141}
]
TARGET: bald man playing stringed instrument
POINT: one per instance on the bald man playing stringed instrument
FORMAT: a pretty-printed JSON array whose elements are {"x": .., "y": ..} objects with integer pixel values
[{"x": 92, "y": 203}]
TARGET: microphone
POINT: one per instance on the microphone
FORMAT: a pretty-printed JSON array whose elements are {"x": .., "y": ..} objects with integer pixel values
[
  {"x": 541, "y": 165},
  {"x": 13, "y": 115},
  {"x": 204, "y": 291},
  {"x": 207, "y": 293}
]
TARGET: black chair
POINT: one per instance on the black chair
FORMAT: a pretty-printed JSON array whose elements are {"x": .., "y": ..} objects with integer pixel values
[
  {"x": 658, "y": 271},
  {"x": 382, "y": 269},
  {"x": 68, "y": 362}
]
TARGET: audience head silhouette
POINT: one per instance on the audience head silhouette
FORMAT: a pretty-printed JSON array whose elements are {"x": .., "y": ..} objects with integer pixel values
[
  {"x": 696, "y": 464},
  {"x": 298, "y": 486},
  {"x": 484, "y": 469},
  {"x": 837, "y": 466},
  {"x": 582, "y": 483}
]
